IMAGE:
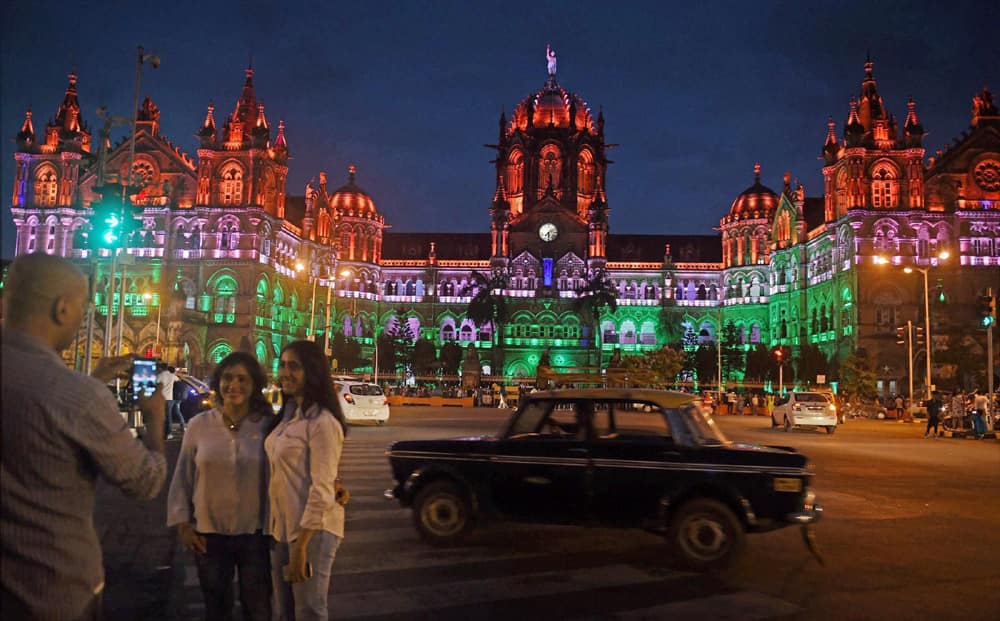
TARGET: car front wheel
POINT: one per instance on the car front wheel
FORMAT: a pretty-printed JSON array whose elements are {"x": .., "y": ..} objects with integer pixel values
[
  {"x": 831, "y": 428},
  {"x": 705, "y": 535},
  {"x": 441, "y": 513}
]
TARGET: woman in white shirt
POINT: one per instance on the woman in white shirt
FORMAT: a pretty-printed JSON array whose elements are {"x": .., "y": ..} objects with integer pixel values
[
  {"x": 303, "y": 450},
  {"x": 217, "y": 496}
]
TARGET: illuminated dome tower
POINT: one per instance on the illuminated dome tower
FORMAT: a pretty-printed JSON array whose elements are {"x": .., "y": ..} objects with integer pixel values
[
  {"x": 745, "y": 228},
  {"x": 550, "y": 175}
]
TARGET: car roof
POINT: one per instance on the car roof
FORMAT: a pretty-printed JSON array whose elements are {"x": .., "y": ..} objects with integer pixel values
[
  {"x": 194, "y": 381},
  {"x": 664, "y": 398}
]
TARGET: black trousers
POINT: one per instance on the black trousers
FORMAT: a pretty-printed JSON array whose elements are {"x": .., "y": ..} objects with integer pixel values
[
  {"x": 932, "y": 421},
  {"x": 250, "y": 555}
]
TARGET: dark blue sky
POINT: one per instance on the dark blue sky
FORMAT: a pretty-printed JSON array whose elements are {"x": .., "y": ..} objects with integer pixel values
[{"x": 410, "y": 92}]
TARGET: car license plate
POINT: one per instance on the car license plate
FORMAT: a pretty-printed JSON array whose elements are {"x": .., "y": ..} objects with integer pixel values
[{"x": 787, "y": 484}]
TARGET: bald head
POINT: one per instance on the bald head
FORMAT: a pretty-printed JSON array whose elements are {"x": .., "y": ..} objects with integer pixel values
[{"x": 45, "y": 296}]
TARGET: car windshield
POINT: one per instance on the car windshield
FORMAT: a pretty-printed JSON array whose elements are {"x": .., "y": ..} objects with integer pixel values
[
  {"x": 811, "y": 397},
  {"x": 366, "y": 390},
  {"x": 703, "y": 427}
]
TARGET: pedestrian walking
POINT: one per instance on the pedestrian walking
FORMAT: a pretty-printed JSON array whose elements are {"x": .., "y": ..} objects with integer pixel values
[
  {"x": 980, "y": 408},
  {"x": 303, "y": 450},
  {"x": 217, "y": 496},
  {"x": 754, "y": 404},
  {"x": 61, "y": 429},
  {"x": 165, "y": 381},
  {"x": 898, "y": 403},
  {"x": 933, "y": 406}
]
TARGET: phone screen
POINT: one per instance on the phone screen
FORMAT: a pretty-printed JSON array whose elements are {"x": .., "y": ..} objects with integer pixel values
[{"x": 143, "y": 378}]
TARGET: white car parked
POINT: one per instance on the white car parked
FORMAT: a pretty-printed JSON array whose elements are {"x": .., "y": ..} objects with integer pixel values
[
  {"x": 805, "y": 409},
  {"x": 361, "y": 401}
]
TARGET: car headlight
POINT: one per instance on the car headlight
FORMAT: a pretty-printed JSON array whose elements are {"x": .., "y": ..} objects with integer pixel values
[{"x": 349, "y": 399}]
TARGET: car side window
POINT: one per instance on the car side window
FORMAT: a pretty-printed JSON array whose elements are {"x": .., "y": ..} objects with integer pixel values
[
  {"x": 635, "y": 421},
  {"x": 530, "y": 419}
]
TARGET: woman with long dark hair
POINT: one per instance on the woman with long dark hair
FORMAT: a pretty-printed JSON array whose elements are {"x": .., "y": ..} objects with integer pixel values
[
  {"x": 307, "y": 521},
  {"x": 217, "y": 496}
]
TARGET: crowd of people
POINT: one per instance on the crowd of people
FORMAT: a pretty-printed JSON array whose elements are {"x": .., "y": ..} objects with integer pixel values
[{"x": 255, "y": 494}]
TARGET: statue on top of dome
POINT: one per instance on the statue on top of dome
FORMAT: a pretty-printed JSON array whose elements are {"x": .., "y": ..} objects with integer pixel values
[{"x": 550, "y": 57}]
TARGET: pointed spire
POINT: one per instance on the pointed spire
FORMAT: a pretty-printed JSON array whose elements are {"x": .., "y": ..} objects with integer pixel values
[
  {"x": 503, "y": 126},
  {"x": 352, "y": 171},
  {"x": 209, "y": 117},
  {"x": 261, "y": 121},
  {"x": 279, "y": 142},
  {"x": 830, "y": 146},
  {"x": 26, "y": 136},
  {"x": 500, "y": 195},
  {"x": 68, "y": 115},
  {"x": 913, "y": 131},
  {"x": 756, "y": 172}
]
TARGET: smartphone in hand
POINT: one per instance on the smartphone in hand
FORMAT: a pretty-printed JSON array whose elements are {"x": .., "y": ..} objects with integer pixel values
[{"x": 143, "y": 378}]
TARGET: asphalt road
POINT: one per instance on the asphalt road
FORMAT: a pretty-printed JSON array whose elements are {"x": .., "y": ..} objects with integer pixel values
[{"x": 911, "y": 531}]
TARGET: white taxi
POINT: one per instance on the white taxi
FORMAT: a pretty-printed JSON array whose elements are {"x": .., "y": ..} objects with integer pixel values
[
  {"x": 805, "y": 409},
  {"x": 361, "y": 401}
]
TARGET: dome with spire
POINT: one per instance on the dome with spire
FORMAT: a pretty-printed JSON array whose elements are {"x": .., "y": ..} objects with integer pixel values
[
  {"x": 552, "y": 106},
  {"x": 350, "y": 200},
  {"x": 757, "y": 201}
]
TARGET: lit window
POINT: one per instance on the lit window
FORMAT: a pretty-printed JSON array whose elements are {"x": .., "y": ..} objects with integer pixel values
[
  {"x": 46, "y": 187},
  {"x": 232, "y": 186}
]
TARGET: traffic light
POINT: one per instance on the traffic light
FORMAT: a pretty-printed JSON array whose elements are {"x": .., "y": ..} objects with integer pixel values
[
  {"x": 918, "y": 337},
  {"x": 986, "y": 307},
  {"x": 901, "y": 335},
  {"x": 107, "y": 225},
  {"x": 779, "y": 355}
]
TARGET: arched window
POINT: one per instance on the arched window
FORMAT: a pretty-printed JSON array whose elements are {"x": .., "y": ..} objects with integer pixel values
[
  {"x": 549, "y": 168},
  {"x": 515, "y": 173},
  {"x": 585, "y": 173},
  {"x": 448, "y": 331},
  {"x": 647, "y": 333},
  {"x": 231, "y": 192},
  {"x": 219, "y": 351},
  {"x": 46, "y": 187},
  {"x": 885, "y": 187},
  {"x": 755, "y": 333},
  {"x": 224, "y": 291},
  {"x": 628, "y": 335},
  {"x": 466, "y": 332}
]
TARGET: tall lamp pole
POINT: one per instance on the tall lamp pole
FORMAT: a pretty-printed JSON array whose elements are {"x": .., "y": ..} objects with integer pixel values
[
  {"x": 159, "y": 311},
  {"x": 141, "y": 59},
  {"x": 942, "y": 256}
]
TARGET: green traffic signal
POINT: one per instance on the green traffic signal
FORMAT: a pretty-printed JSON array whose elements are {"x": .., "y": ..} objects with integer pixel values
[{"x": 987, "y": 308}]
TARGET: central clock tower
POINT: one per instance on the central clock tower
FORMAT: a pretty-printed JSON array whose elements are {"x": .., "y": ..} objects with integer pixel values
[{"x": 550, "y": 171}]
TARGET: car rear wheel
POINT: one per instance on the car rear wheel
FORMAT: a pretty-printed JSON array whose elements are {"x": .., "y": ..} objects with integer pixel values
[
  {"x": 788, "y": 424},
  {"x": 705, "y": 535},
  {"x": 831, "y": 428},
  {"x": 441, "y": 513},
  {"x": 774, "y": 423}
]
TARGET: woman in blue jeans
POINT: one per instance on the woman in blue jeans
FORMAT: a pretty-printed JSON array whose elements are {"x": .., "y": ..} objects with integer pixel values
[
  {"x": 306, "y": 519},
  {"x": 216, "y": 497}
]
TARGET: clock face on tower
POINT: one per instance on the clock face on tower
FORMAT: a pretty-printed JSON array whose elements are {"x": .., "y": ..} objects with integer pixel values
[{"x": 548, "y": 232}]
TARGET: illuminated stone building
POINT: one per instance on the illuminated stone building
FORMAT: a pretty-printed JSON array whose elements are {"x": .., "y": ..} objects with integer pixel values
[{"x": 220, "y": 239}]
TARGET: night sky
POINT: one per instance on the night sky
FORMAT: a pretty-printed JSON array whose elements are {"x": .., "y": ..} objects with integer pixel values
[{"x": 694, "y": 94}]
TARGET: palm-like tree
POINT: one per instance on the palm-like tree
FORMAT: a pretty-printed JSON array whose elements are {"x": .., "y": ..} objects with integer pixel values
[
  {"x": 592, "y": 298},
  {"x": 488, "y": 306}
]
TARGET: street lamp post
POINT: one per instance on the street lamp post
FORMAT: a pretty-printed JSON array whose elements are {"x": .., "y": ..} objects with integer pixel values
[
  {"x": 942, "y": 256},
  {"x": 141, "y": 59},
  {"x": 159, "y": 311}
]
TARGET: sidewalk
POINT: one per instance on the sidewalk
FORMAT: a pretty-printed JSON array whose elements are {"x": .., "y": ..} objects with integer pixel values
[{"x": 138, "y": 550}]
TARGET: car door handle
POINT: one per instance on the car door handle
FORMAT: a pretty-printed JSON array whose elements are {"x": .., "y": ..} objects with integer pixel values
[
  {"x": 577, "y": 451},
  {"x": 671, "y": 453}
]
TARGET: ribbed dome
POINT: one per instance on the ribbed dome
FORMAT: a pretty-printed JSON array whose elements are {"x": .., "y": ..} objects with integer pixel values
[
  {"x": 350, "y": 200},
  {"x": 552, "y": 105},
  {"x": 757, "y": 201}
]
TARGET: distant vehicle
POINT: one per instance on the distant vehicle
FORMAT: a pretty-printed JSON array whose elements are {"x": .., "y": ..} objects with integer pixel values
[
  {"x": 195, "y": 395},
  {"x": 361, "y": 401},
  {"x": 805, "y": 409},
  {"x": 589, "y": 457}
]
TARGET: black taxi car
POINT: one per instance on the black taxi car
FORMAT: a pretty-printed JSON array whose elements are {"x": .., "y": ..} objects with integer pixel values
[{"x": 609, "y": 457}]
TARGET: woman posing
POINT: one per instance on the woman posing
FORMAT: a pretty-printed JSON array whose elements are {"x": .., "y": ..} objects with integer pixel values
[
  {"x": 307, "y": 521},
  {"x": 216, "y": 497}
]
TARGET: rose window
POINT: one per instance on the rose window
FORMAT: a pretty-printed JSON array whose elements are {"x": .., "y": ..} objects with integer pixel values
[{"x": 987, "y": 175}]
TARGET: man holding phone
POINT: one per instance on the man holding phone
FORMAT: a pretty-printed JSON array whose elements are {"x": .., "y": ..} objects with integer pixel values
[{"x": 61, "y": 430}]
